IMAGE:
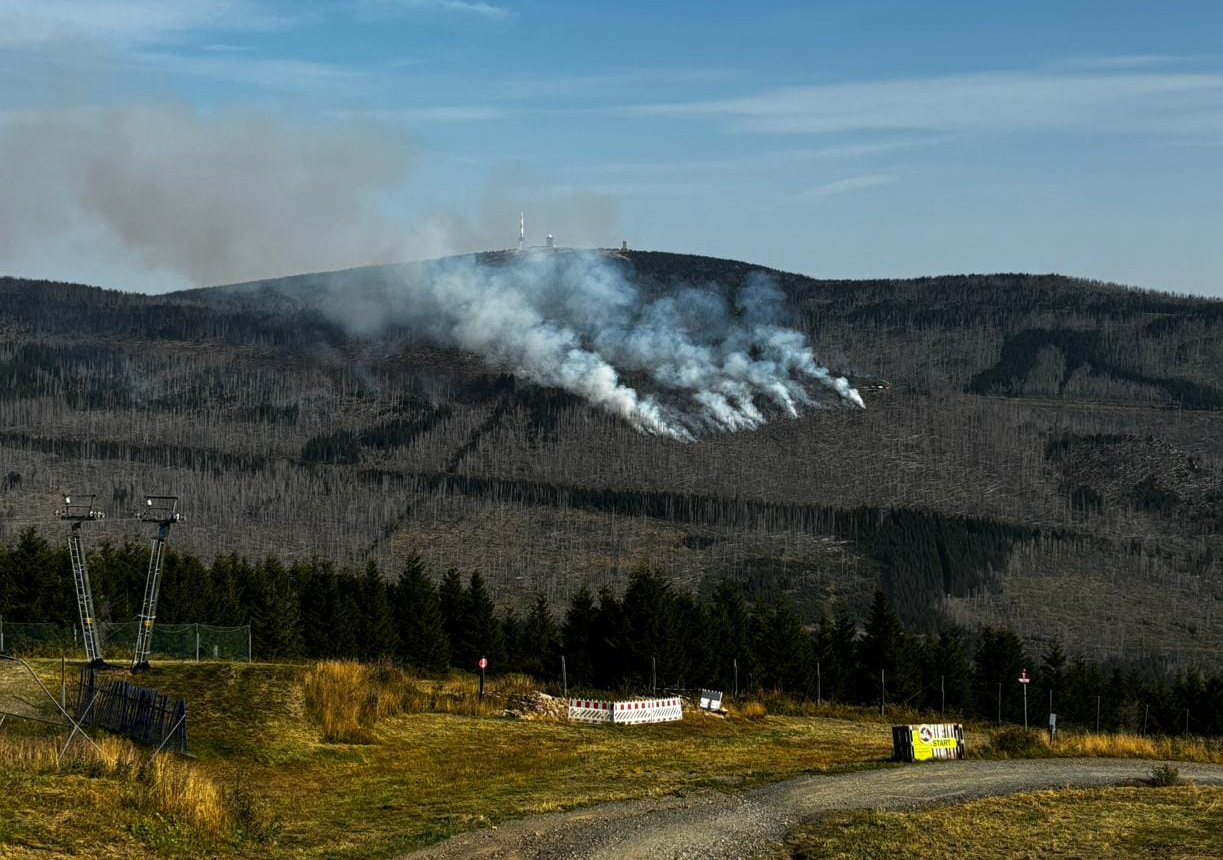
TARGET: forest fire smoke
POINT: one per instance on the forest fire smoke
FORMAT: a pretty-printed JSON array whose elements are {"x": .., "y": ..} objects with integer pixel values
[{"x": 576, "y": 321}]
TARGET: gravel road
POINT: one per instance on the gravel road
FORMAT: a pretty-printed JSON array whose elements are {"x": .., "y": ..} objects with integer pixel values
[{"x": 714, "y": 826}]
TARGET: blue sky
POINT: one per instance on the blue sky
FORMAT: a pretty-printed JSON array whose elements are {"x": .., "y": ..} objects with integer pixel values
[{"x": 840, "y": 139}]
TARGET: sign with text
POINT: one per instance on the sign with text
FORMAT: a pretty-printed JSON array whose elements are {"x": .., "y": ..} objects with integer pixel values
[{"x": 928, "y": 741}]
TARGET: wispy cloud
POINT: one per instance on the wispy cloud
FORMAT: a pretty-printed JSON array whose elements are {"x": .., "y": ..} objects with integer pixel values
[
  {"x": 462, "y": 7},
  {"x": 276, "y": 74},
  {"x": 842, "y": 186},
  {"x": 134, "y": 21},
  {"x": 1157, "y": 102}
]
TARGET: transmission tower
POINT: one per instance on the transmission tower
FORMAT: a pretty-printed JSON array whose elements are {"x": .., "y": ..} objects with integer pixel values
[
  {"x": 83, "y": 511},
  {"x": 162, "y": 510}
]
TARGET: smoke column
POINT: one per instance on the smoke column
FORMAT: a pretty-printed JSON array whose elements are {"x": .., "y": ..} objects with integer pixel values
[{"x": 576, "y": 321}]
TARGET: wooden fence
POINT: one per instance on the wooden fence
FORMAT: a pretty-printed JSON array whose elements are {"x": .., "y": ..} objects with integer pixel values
[{"x": 146, "y": 716}]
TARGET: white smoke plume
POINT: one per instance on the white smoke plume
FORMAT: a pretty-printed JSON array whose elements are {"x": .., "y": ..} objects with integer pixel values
[{"x": 707, "y": 360}]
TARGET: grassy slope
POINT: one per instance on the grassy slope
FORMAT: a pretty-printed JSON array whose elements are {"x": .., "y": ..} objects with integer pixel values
[
  {"x": 427, "y": 777},
  {"x": 1185, "y": 822}
]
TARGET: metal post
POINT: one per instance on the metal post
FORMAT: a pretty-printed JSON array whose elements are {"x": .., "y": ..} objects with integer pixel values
[
  {"x": 564, "y": 676},
  {"x": 818, "y": 691},
  {"x": 1186, "y": 722},
  {"x": 1097, "y": 715},
  {"x": 653, "y": 674},
  {"x": 197, "y": 642},
  {"x": 999, "y": 703},
  {"x": 1025, "y": 706},
  {"x": 481, "y": 679},
  {"x": 942, "y": 692},
  {"x": 736, "y": 663},
  {"x": 883, "y": 692},
  {"x": 248, "y": 643},
  {"x": 63, "y": 687},
  {"x": 1146, "y": 712},
  {"x": 1, "y": 634}
]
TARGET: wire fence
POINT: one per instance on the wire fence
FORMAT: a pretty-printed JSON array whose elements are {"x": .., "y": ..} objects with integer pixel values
[{"x": 170, "y": 641}]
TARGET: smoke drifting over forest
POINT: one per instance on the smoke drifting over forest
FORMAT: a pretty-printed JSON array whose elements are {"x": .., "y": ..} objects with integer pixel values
[{"x": 707, "y": 358}]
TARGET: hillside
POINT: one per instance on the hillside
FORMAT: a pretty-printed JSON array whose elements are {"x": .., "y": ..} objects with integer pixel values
[{"x": 1037, "y": 451}]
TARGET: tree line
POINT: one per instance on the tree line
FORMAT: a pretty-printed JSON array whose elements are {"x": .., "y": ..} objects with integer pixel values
[{"x": 653, "y": 635}]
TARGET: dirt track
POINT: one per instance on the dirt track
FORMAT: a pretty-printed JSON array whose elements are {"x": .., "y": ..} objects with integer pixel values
[{"x": 735, "y": 827}]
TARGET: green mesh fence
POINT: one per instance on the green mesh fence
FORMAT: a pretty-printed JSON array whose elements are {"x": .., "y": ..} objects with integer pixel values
[{"x": 170, "y": 641}]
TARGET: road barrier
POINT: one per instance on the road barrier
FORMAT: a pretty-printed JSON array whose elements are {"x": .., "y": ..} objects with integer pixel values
[
  {"x": 626, "y": 713},
  {"x": 648, "y": 711},
  {"x": 711, "y": 700},
  {"x": 590, "y": 711},
  {"x": 928, "y": 741}
]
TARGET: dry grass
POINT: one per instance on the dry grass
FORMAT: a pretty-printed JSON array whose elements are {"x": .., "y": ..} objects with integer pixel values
[
  {"x": 164, "y": 784},
  {"x": 751, "y": 711},
  {"x": 1185, "y": 822},
  {"x": 1015, "y": 743},
  {"x": 347, "y": 700}
]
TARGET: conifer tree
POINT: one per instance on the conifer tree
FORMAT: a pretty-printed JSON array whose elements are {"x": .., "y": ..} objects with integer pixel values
[
  {"x": 423, "y": 642},
  {"x": 578, "y": 636},
  {"x": 379, "y": 634},
  {"x": 539, "y": 642},
  {"x": 728, "y": 633},
  {"x": 275, "y": 608},
  {"x": 452, "y": 600},
  {"x": 481, "y": 633}
]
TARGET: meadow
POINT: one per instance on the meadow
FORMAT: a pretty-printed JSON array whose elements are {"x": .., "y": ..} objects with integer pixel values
[{"x": 342, "y": 760}]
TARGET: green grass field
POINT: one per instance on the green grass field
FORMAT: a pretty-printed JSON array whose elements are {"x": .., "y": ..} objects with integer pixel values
[
  {"x": 1182, "y": 822},
  {"x": 425, "y": 776},
  {"x": 264, "y": 784}
]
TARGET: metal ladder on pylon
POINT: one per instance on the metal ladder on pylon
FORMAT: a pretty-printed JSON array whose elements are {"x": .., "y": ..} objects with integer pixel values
[
  {"x": 79, "y": 512},
  {"x": 162, "y": 510}
]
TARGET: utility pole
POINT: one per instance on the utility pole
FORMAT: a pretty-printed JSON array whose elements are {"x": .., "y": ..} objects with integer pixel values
[
  {"x": 82, "y": 511},
  {"x": 162, "y": 510}
]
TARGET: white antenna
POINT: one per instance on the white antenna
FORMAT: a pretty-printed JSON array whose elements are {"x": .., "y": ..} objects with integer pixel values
[{"x": 522, "y": 229}]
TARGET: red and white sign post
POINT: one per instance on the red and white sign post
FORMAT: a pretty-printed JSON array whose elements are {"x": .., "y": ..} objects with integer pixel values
[
  {"x": 1025, "y": 680},
  {"x": 483, "y": 664}
]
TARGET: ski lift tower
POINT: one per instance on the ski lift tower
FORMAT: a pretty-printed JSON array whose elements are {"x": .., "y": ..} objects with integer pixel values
[
  {"x": 162, "y": 510},
  {"x": 83, "y": 511}
]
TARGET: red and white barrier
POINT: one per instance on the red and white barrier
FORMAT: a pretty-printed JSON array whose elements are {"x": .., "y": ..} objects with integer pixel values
[
  {"x": 648, "y": 711},
  {"x": 626, "y": 713},
  {"x": 590, "y": 711}
]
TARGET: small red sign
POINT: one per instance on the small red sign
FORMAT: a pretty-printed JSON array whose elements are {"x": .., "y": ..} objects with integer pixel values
[
  {"x": 1023, "y": 676},
  {"x": 483, "y": 662}
]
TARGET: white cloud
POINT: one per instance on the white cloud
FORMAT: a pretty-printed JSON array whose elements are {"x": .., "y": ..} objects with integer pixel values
[
  {"x": 842, "y": 186},
  {"x": 463, "y": 7},
  {"x": 33, "y": 22},
  {"x": 1168, "y": 103},
  {"x": 283, "y": 74}
]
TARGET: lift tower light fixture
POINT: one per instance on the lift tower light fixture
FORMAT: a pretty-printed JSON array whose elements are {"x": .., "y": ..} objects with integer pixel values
[
  {"x": 83, "y": 511},
  {"x": 162, "y": 510}
]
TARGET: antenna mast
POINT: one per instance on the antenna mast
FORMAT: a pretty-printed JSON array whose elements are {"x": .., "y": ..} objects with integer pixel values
[
  {"x": 522, "y": 230},
  {"x": 162, "y": 510},
  {"x": 83, "y": 511}
]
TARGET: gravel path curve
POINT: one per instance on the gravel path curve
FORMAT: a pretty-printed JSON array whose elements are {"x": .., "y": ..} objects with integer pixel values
[{"x": 715, "y": 826}]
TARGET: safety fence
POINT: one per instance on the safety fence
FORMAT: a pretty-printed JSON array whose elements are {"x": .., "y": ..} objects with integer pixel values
[
  {"x": 626, "y": 713},
  {"x": 146, "y": 716},
  {"x": 118, "y": 640}
]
